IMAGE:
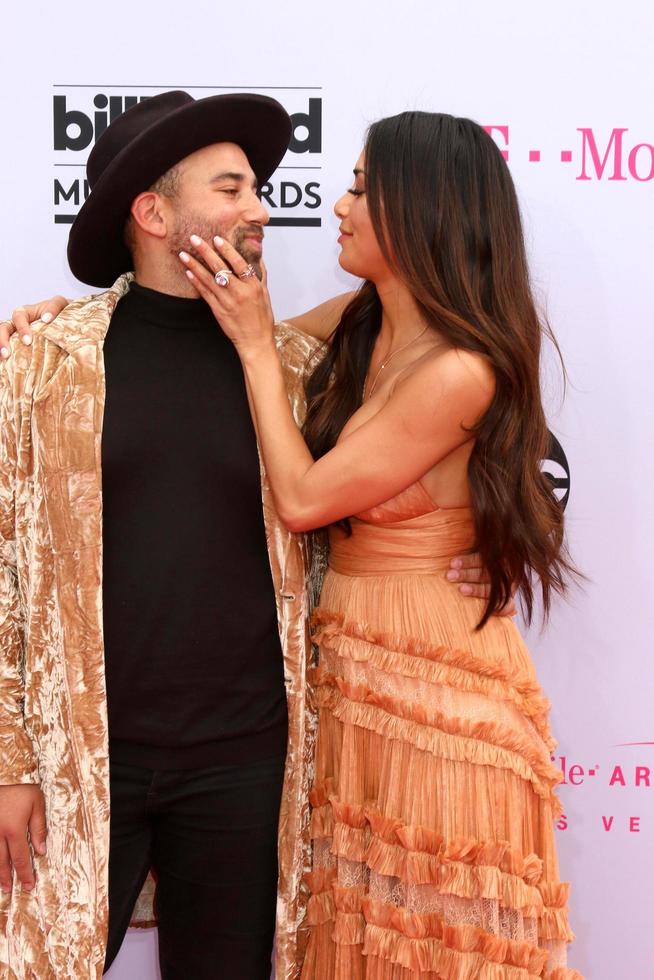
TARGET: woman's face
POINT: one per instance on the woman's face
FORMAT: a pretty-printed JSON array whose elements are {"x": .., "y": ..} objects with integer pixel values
[{"x": 360, "y": 252}]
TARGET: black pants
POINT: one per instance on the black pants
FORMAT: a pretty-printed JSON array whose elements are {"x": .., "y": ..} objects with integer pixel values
[{"x": 210, "y": 836}]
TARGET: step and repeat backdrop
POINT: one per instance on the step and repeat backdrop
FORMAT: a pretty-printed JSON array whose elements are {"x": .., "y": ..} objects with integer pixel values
[{"x": 567, "y": 92}]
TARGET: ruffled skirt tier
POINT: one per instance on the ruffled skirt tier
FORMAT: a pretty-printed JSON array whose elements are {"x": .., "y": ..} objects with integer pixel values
[{"x": 433, "y": 801}]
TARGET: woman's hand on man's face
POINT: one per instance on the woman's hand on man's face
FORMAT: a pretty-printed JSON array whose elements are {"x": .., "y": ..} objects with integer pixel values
[{"x": 241, "y": 303}]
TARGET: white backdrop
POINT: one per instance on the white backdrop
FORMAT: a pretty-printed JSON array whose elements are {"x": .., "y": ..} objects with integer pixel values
[{"x": 564, "y": 84}]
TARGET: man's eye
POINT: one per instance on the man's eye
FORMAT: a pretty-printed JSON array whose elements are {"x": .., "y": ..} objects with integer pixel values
[{"x": 230, "y": 190}]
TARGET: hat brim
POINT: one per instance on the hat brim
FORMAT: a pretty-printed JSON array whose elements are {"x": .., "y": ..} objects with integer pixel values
[{"x": 97, "y": 254}]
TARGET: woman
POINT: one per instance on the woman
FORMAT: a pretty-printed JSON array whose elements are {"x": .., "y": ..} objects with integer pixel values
[{"x": 433, "y": 800}]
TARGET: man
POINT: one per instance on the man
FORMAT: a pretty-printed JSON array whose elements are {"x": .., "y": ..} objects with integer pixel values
[
  {"x": 143, "y": 593},
  {"x": 131, "y": 520}
]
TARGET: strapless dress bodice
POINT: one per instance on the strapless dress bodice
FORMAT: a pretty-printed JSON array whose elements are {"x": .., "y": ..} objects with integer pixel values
[{"x": 407, "y": 534}]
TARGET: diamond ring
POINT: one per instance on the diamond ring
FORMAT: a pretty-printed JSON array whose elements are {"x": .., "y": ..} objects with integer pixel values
[{"x": 222, "y": 277}]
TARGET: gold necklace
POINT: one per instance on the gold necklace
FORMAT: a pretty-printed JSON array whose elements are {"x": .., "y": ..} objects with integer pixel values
[{"x": 388, "y": 359}]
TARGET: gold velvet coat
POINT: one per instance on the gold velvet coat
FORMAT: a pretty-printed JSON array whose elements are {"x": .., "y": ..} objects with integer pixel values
[{"x": 53, "y": 717}]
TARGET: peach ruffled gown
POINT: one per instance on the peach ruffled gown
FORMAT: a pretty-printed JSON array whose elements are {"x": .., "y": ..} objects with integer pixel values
[{"x": 433, "y": 803}]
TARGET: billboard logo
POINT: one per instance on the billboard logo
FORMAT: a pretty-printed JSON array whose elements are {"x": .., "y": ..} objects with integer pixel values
[
  {"x": 81, "y": 115},
  {"x": 75, "y": 130}
]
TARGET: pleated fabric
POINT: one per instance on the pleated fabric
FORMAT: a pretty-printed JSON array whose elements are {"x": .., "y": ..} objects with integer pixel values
[{"x": 433, "y": 802}]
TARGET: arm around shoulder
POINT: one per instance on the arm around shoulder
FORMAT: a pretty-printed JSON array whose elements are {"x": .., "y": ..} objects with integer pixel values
[{"x": 322, "y": 320}]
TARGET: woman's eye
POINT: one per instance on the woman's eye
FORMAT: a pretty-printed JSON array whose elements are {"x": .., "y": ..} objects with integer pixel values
[{"x": 355, "y": 192}]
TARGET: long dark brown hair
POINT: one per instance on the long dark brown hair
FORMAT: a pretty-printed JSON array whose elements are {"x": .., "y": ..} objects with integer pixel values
[{"x": 446, "y": 216}]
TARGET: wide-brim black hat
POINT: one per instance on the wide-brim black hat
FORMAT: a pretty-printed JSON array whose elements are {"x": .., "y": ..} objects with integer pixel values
[{"x": 145, "y": 142}]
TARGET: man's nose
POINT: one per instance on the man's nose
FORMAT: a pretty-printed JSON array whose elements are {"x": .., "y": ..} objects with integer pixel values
[{"x": 256, "y": 212}]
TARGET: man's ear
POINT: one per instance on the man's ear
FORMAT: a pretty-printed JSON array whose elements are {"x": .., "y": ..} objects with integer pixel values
[{"x": 149, "y": 214}]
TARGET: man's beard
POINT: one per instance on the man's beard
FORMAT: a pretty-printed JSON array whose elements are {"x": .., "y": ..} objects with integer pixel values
[{"x": 188, "y": 225}]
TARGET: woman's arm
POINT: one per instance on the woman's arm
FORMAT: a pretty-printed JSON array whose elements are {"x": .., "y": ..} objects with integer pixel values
[
  {"x": 321, "y": 321},
  {"x": 23, "y": 316},
  {"x": 428, "y": 417}
]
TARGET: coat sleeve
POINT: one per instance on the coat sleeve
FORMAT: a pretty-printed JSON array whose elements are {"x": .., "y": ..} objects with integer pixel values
[{"x": 17, "y": 760}]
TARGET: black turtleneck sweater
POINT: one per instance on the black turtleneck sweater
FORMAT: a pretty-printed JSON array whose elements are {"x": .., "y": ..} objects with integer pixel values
[{"x": 193, "y": 658}]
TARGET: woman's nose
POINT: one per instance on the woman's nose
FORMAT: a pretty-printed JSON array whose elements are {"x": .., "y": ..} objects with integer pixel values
[{"x": 341, "y": 206}]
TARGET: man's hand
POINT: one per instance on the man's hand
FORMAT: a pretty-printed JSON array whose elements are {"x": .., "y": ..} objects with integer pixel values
[
  {"x": 23, "y": 316},
  {"x": 22, "y": 812},
  {"x": 469, "y": 572}
]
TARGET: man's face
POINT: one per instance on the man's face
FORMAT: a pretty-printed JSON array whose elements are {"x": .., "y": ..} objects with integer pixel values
[{"x": 217, "y": 196}]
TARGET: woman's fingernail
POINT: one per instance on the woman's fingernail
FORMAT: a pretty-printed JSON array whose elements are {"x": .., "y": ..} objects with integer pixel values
[
  {"x": 218, "y": 240},
  {"x": 185, "y": 257},
  {"x": 466, "y": 589},
  {"x": 27, "y": 340},
  {"x": 196, "y": 240},
  {"x": 46, "y": 317},
  {"x": 4, "y": 352},
  {"x": 452, "y": 576},
  {"x": 190, "y": 274},
  {"x": 456, "y": 563}
]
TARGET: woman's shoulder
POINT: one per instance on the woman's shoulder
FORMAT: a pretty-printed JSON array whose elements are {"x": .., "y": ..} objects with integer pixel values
[
  {"x": 448, "y": 387},
  {"x": 450, "y": 369}
]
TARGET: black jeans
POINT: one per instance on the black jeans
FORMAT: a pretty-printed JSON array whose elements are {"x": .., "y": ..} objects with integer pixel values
[{"x": 210, "y": 836}]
